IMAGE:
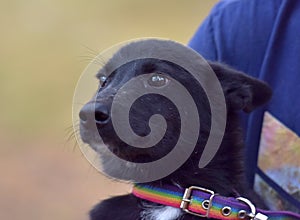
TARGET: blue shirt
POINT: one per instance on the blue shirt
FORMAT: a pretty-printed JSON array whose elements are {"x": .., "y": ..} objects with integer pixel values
[{"x": 262, "y": 39}]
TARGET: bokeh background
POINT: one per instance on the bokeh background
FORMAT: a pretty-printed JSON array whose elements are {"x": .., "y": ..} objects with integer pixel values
[{"x": 44, "y": 47}]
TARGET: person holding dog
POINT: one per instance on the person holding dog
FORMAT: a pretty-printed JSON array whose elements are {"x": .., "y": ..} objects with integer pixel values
[{"x": 262, "y": 39}]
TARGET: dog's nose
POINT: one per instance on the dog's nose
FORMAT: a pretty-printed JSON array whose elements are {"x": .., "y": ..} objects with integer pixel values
[
  {"x": 101, "y": 114},
  {"x": 84, "y": 113},
  {"x": 92, "y": 112}
]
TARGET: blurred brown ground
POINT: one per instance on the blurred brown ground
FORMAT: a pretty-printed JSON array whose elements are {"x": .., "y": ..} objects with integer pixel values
[{"x": 43, "y": 50}]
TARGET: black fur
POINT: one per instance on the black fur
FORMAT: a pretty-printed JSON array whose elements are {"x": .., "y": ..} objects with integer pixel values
[{"x": 224, "y": 174}]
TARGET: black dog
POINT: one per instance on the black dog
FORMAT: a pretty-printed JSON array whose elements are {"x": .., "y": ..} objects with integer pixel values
[{"x": 224, "y": 174}]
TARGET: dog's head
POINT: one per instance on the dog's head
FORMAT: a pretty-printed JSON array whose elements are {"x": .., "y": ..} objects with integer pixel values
[{"x": 242, "y": 93}]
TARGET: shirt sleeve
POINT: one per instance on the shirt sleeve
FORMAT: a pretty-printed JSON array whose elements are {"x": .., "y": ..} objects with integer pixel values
[{"x": 203, "y": 40}]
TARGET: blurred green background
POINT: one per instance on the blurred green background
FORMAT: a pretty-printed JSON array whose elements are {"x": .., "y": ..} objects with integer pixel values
[{"x": 44, "y": 47}]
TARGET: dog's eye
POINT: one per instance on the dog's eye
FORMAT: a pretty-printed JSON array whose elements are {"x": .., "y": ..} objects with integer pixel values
[
  {"x": 102, "y": 80},
  {"x": 158, "y": 80}
]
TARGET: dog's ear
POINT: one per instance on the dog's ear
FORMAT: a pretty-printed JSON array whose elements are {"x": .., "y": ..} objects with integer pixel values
[{"x": 241, "y": 91}]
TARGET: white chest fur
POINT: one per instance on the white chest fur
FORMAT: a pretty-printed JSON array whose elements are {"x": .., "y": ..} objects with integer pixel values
[{"x": 160, "y": 213}]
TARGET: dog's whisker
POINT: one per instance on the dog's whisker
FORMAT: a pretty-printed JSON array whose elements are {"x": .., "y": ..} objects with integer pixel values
[
  {"x": 91, "y": 60},
  {"x": 71, "y": 134},
  {"x": 90, "y": 50},
  {"x": 93, "y": 55}
]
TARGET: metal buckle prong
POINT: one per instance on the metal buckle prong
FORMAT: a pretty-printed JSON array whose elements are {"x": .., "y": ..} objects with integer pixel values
[{"x": 186, "y": 200}]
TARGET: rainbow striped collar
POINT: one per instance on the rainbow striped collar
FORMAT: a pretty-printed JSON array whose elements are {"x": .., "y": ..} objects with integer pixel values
[{"x": 205, "y": 203}]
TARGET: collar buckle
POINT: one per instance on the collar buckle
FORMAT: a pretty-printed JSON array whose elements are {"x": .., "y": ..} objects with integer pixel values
[{"x": 187, "y": 199}]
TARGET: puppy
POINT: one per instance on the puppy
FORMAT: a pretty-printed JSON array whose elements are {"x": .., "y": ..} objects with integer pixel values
[{"x": 224, "y": 174}]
